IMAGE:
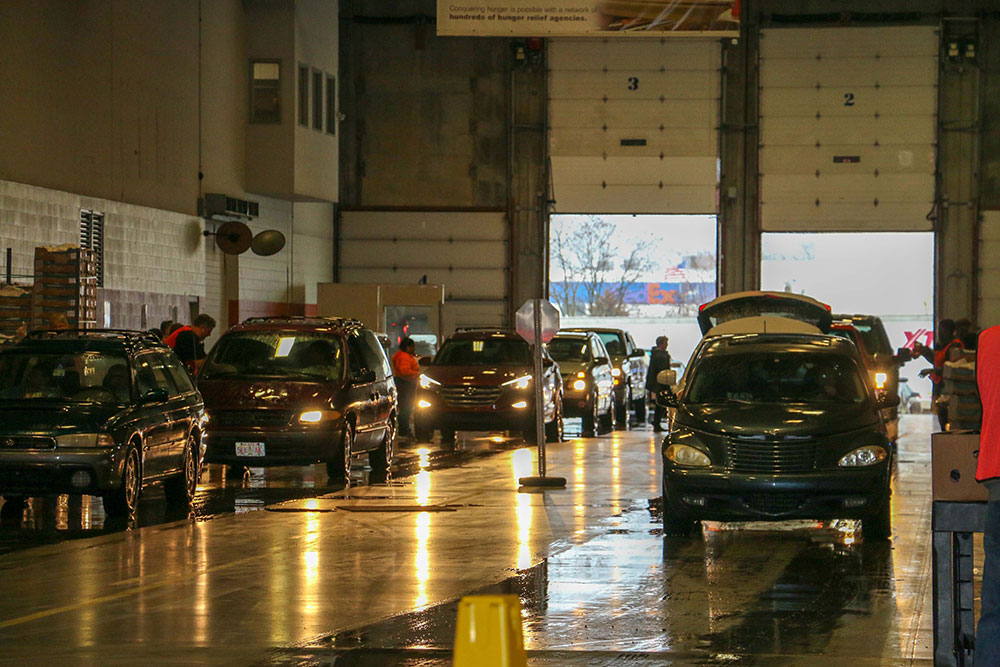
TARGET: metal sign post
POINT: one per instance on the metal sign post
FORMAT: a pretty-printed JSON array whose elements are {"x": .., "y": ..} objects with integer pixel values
[{"x": 537, "y": 322}]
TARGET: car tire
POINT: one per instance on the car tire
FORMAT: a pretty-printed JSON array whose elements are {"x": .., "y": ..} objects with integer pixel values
[
  {"x": 448, "y": 437},
  {"x": 180, "y": 489},
  {"x": 622, "y": 410},
  {"x": 607, "y": 420},
  {"x": 124, "y": 500},
  {"x": 674, "y": 525},
  {"x": 339, "y": 468},
  {"x": 423, "y": 433},
  {"x": 555, "y": 430},
  {"x": 878, "y": 524},
  {"x": 380, "y": 458},
  {"x": 590, "y": 418}
]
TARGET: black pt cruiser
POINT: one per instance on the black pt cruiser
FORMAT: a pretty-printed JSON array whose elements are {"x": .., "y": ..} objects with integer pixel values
[
  {"x": 772, "y": 426},
  {"x": 98, "y": 412}
]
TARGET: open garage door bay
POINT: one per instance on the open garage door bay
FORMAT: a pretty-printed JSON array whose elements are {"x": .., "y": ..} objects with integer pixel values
[
  {"x": 634, "y": 125},
  {"x": 847, "y": 128}
]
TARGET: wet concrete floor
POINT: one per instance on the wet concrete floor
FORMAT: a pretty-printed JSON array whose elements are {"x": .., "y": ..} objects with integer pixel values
[{"x": 599, "y": 583}]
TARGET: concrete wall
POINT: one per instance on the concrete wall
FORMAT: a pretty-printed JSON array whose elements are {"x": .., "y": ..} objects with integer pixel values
[{"x": 82, "y": 113}]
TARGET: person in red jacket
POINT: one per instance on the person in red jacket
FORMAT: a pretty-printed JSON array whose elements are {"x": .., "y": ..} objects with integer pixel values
[
  {"x": 987, "y": 651},
  {"x": 188, "y": 343},
  {"x": 405, "y": 370}
]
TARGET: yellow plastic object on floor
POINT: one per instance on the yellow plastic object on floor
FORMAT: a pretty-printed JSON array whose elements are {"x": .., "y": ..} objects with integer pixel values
[{"x": 489, "y": 632}]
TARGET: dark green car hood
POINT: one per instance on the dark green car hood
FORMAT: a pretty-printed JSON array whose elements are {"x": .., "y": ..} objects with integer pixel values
[
  {"x": 54, "y": 417},
  {"x": 774, "y": 420}
]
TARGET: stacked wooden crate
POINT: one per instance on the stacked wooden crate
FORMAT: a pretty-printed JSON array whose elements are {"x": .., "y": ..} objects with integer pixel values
[
  {"x": 15, "y": 310},
  {"x": 65, "y": 287}
]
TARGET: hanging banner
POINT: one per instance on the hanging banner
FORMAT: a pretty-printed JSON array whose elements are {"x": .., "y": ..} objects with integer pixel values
[{"x": 651, "y": 18}]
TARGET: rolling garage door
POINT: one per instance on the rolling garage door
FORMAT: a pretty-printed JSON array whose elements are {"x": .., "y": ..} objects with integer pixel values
[
  {"x": 634, "y": 125},
  {"x": 464, "y": 251},
  {"x": 847, "y": 128}
]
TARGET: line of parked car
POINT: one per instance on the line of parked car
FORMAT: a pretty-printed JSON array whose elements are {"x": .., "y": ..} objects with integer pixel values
[{"x": 107, "y": 412}]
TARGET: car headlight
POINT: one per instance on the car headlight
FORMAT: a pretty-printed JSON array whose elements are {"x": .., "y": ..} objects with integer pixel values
[
  {"x": 616, "y": 372},
  {"x": 580, "y": 385},
  {"x": 311, "y": 417},
  {"x": 85, "y": 440},
  {"x": 426, "y": 382},
  {"x": 880, "y": 380},
  {"x": 863, "y": 456},
  {"x": 685, "y": 455},
  {"x": 522, "y": 382}
]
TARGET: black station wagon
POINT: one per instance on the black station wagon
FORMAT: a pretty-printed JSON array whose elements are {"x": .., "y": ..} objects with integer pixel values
[{"x": 98, "y": 412}]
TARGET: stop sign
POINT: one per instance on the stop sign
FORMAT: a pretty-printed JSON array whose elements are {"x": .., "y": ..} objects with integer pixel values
[{"x": 548, "y": 320}]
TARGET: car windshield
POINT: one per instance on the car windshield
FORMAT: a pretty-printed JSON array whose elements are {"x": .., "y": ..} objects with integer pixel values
[
  {"x": 284, "y": 354},
  {"x": 83, "y": 377},
  {"x": 776, "y": 377},
  {"x": 873, "y": 338},
  {"x": 487, "y": 352},
  {"x": 569, "y": 349},
  {"x": 613, "y": 342}
]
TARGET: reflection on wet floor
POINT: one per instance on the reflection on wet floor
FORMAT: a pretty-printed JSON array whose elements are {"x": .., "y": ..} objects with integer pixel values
[
  {"x": 31, "y": 522},
  {"x": 762, "y": 593}
]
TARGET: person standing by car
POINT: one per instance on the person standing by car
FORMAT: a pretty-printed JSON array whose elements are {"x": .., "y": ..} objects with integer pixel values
[
  {"x": 188, "y": 342},
  {"x": 405, "y": 370},
  {"x": 987, "y": 650},
  {"x": 659, "y": 360},
  {"x": 947, "y": 339}
]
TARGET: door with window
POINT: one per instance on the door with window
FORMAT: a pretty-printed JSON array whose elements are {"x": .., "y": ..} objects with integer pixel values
[
  {"x": 364, "y": 394},
  {"x": 156, "y": 390}
]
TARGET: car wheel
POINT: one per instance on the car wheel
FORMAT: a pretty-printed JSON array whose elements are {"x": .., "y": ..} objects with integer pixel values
[
  {"x": 125, "y": 499},
  {"x": 590, "y": 418},
  {"x": 448, "y": 437},
  {"x": 555, "y": 430},
  {"x": 878, "y": 525},
  {"x": 622, "y": 410},
  {"x": 607, "y": 420},
  {"x": 181, "y": 488},
  {"x": 339, "y": 467},
  {"x": 380, "y": 458},
  {"x": 672, "y": 523}
]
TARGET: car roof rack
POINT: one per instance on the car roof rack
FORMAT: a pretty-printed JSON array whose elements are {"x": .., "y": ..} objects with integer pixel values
[
  {"x": 106, "y": 334},
  {"x": 504, "y": 329},
  {"x": 305, "y": 319}
]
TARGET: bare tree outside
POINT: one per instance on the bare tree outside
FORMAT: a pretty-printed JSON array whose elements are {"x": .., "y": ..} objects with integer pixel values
[{"x": 597, "y": 273}]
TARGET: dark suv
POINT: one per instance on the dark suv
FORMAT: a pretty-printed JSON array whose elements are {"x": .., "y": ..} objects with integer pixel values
[
  {"x": 587, "y": 379},
  {"x": 481, "y": 380},
  {"x": 98, "y": 412},
  {"x": 629, "y": 365},
  {"x": 298, "y": 391}
]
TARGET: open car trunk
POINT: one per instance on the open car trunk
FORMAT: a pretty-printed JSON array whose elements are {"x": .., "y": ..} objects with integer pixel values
[{"x": 740, "y": 305}]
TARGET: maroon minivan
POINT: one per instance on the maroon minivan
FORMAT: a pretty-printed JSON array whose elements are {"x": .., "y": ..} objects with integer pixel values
[{"x": 297, "y": 391}]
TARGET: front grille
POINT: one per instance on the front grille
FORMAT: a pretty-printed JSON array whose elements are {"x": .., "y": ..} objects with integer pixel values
[
  {"x": 250, "y": 418},
  {"x": 770, "y": 457},
  {"x": 26, "y": 442},
  {"x": 773, "y": 503},
  {"x": 469, "y": 397}
]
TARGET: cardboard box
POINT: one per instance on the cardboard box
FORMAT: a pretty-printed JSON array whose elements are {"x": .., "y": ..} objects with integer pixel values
[{"x": 954, "y": 456}]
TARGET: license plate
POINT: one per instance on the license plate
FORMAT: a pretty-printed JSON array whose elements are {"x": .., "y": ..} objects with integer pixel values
[{"x": 249, "y": 449}]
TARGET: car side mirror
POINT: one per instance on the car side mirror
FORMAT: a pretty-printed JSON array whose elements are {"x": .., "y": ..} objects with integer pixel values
[
  {"x": 425, "y": 361},
  {"x": 364, "y": 376},
  {"x": 638, "y": 353},
  {"x": 903, "y": 380},
  {"x": 887, "y": 400},
  {"x": 666, "y": 398},
  {"x": 600, "y": 360},
  {"x": 154, "y": 396},
  {"x": 667, "y": 378}
]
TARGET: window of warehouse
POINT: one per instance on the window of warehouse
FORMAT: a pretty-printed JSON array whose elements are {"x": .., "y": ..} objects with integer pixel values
[
  {"x": 303, "y": 96},
  {"x": 331, "y": 104},
  {"x": 265, "y": 91},
  {"x": 317, "y": 100}
]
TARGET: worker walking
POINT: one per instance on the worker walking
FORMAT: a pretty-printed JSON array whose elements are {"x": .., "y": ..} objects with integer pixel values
[
  {"x": 659, "y": 360},
  {"x": 405, "y": 370}
]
